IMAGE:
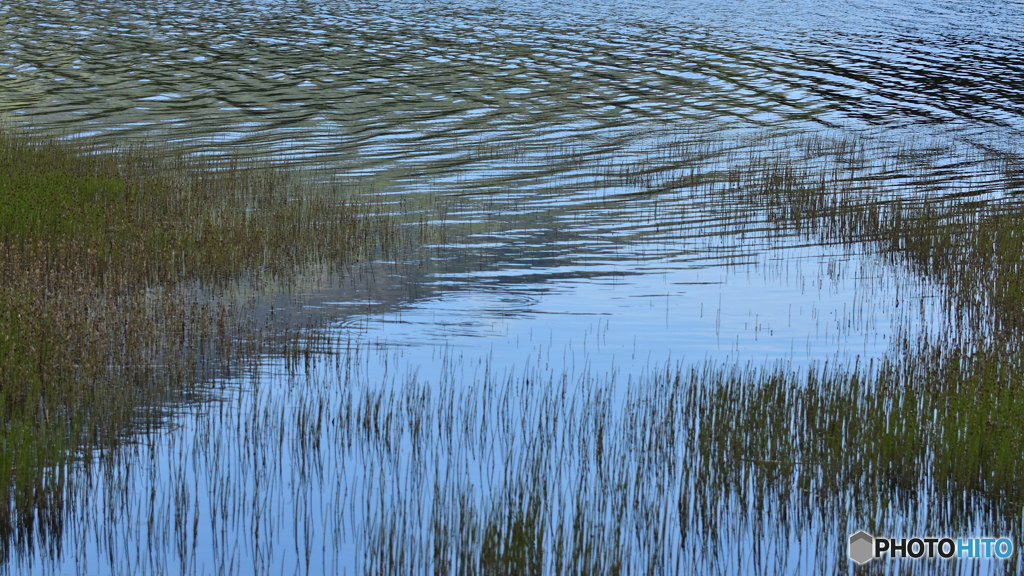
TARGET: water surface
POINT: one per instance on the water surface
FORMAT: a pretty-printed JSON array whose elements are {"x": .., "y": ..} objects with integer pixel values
[{"x": 577, "y": 154}]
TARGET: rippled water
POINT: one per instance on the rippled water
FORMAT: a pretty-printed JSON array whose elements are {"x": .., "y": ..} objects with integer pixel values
[
  {"x": 543, "y": 127},
  {"x": 399, "y": 80},
  {"x": 481, "y": 101}
]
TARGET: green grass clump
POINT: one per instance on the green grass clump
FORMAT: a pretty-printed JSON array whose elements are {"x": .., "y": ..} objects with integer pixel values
[
  {"x": 117, "y": 269},
  {"x": 47, "y": 203}
]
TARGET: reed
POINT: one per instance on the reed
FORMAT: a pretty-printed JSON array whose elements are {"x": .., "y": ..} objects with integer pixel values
[
  {"x": 685, "y": 468},
  {"x": 120, "y": 275},
  {"x": 718, "y": 468}
]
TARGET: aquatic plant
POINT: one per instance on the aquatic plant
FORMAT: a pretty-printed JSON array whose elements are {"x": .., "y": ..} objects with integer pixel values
[
  {"x": 126, "y": 275},
  {"x": 685, "y": 468}
]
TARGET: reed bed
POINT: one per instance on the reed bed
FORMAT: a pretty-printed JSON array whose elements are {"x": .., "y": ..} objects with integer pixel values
[
  {"x": 127, "y": 275},
  {"x": 762, "y": 469},
  {"x": 311, "y": 464},
  {"x": 705, "y": 469}
]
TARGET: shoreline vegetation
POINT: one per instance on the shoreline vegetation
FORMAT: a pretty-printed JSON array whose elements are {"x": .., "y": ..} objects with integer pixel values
[
  {"x": 104, "y": 255},
  {"x": 128, "y": 276}
]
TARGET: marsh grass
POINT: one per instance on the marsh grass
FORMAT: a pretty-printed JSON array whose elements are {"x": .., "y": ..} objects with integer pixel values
[
  {"x": 118, "y": 276},
  {"x": 682, "y": 469},
  {"x": 700, "y": 465}
]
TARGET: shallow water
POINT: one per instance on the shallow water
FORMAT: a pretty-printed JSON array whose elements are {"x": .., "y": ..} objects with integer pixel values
[
  {"x": 514, "y": 113},
  {"x": 561, "y": 141}
]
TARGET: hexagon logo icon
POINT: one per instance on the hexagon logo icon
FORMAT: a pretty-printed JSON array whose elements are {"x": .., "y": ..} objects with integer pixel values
[{"x": 862, "y": 547}]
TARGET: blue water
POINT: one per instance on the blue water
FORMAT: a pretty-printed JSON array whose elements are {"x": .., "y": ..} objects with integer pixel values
[{"x": 521, "y": 121}]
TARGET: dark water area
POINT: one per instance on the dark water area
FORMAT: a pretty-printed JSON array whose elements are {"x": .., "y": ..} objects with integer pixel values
[{"x": 578, "y": 155}]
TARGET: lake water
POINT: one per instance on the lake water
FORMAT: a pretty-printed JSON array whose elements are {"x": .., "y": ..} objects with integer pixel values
[{"x": 554, "y": 134}]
